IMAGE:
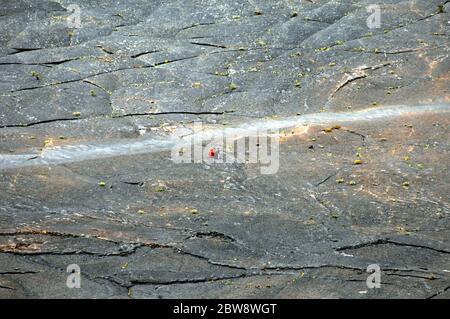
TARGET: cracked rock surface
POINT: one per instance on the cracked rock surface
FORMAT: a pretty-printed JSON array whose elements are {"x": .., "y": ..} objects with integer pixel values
[{"x": 350, "y": 191}]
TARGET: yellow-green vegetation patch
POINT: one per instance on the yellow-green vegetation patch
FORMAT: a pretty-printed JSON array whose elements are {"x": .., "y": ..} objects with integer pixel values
[
  {"x": 35, "y": 75},
  {"x": 359, "y": 49},
  {"x": 232, "y": 87},
  {"x": 160, "y": 189}
]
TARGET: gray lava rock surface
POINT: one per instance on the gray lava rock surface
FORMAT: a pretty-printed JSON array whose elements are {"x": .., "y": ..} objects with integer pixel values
[{"x": 346, "y": 194}]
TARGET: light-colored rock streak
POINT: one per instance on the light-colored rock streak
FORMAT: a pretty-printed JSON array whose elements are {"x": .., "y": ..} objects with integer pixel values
[{"x": 83, "y": 152}]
